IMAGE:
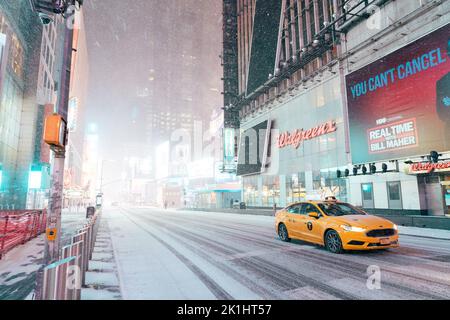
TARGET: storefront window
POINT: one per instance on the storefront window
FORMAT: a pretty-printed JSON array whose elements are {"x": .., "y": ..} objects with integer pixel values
[
  {"x": 251, "y": 191},
  {"x": 271, "y": 191},
  {"x": 295, "y": 188}
]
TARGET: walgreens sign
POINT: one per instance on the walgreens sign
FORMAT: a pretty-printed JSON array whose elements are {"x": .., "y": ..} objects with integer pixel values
[
  {"x": 296, "y": 137},
  {"x": 430, "y": 167}
]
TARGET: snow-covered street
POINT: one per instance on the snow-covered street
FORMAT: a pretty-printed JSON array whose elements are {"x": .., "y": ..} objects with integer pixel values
[{"x": 168, "y": 254}]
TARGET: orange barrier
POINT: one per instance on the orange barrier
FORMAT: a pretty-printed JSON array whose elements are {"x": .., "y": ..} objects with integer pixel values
[{"x": 18, "y": 227}]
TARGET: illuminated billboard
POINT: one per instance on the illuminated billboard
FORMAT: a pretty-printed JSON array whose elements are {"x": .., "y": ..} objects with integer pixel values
[{"x": 399, "y": 105}]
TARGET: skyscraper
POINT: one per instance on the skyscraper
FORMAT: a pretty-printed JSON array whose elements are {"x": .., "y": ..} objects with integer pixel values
[{"x": 19, "y": 73}]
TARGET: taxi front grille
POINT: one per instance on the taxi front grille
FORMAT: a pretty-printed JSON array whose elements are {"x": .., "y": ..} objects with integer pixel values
[{"x": 381, "y": 233}]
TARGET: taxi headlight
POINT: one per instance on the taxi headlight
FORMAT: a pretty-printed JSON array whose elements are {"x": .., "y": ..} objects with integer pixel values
[
  {"x": 351, "y": 228},
  {"x": 395, "y": 227}
]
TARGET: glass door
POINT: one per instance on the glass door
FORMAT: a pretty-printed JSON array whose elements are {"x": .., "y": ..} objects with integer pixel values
[
  {"x": 394, "y": 195},
  {"x": 367, "y": 195}
]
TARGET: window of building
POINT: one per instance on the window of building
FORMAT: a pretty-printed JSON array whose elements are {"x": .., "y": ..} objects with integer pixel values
[
  {"x": 295, "y": 187},
  {"x": 17, "y": 56},
  {"x": 367, "y": 191},
  {"x": 251, "y": 191}
]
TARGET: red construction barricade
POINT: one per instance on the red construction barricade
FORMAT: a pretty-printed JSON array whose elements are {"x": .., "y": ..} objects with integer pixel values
[{"x": 18, "y": 227}]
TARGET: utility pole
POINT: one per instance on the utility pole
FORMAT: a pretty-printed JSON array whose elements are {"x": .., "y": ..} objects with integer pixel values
[
  {"x": 56, "y": 191},
  {"x": 55, "y": 132},
  {"x": 53, "y": 232}
]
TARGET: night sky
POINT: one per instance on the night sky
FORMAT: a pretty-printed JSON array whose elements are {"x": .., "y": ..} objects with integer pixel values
[{"x": 134, "y": 45}]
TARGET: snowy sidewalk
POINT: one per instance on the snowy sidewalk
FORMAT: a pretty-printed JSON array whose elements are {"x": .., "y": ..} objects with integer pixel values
[
  {"x": 19, "y": 266},
  {"x": 18, "y": 270},
  {"x": 102, "y": 281}
]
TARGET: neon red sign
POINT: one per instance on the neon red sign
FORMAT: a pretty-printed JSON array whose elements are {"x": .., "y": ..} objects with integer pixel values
[
  {"x": 298, "y": 136},
  {"x": 430, "y": 167}
]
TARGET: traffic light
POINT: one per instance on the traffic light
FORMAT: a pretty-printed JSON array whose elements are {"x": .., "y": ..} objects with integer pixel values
[
  {"x": 338, "y": 173},
  {"x": 364, "y": 169},
  {"x": 355, "y": 171},
  {"x": 347, "y": 172},
  {"x": 384, "y": 167},
  {"x": 373, "y": 168}
]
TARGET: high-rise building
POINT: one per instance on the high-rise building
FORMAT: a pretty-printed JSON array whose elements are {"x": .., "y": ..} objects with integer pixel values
[
  {"x": 343, "y": 98},
  {"x": 76, "y": 110},
  {"x": 171, "y": 67},
  {"x": 183, "y": 78},
  {"x": 20, "y": 36}
]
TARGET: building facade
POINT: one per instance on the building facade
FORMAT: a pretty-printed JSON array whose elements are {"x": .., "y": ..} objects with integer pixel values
[
  {"x": 300, "y": 75},
  {"x": 19, "y": 75},
  {"x": 79, "y": 84}
]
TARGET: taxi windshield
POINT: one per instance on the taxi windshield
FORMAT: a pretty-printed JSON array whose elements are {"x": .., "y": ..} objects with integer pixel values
[{"x": 339, "y": 209}]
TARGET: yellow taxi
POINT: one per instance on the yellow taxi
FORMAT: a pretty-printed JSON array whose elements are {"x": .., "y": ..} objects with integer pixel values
[{"x": 336, "y": 225}]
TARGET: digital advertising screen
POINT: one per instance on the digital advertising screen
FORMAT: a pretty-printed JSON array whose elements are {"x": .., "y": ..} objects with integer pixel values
[{"x": 399, "y": 105}]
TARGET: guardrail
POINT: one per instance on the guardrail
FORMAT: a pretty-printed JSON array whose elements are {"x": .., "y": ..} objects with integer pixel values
[
  {"x": 64, "y": 279},
  {"x": 18, "y": 227}
]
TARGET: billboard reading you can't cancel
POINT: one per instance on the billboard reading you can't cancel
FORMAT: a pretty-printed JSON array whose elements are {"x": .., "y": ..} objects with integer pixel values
[{"x": 399, "y": 105}]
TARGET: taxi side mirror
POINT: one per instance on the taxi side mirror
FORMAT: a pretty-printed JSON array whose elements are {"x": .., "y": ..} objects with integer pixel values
[{"x": 315, "y": 215}]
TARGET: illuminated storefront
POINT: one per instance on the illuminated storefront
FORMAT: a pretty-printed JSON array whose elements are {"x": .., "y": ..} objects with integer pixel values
[
  {"x": 347, "y": 116},
  {"x": 305, "y": 148}
]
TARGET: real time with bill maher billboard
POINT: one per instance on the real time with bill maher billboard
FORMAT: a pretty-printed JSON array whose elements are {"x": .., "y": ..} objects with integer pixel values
[{"x": 399, "y": 105}]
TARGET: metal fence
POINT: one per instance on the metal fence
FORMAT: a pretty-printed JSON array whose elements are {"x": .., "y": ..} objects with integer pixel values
[
  {"x": 18, "y": 227},
  {"x": 64, "y": 279}
]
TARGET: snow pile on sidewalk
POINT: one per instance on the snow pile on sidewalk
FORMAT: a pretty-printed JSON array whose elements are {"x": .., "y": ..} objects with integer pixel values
[{"x": 102, "y": 282}]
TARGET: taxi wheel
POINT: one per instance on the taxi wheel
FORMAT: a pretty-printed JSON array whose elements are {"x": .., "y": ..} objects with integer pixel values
[
  {"x": 283, "y": 233},
  {"x": 333, "y": 242}
]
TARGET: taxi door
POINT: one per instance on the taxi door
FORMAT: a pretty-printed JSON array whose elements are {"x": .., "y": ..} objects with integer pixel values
[
  {"x": 312, "y": 228},
  {"x": 294, "y": 220}
]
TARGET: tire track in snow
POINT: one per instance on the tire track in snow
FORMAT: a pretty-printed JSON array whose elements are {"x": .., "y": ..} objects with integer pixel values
[{"x": 217, "y": 290}]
